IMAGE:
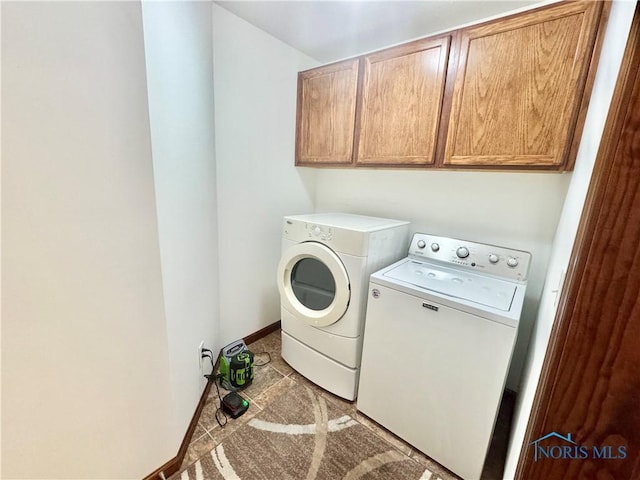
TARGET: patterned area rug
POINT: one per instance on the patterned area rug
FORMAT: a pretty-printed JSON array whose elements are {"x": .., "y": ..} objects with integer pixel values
[{"x": 300, "y": 436}]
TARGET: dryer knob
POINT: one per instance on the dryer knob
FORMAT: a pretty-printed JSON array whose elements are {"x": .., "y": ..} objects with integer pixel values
[
  {"x": 462, "y": 252},
  {"x": 493, "y": 258},
  {"x": 421, "y": 244},
  {"x": 512, "y": 262},
  {"x": 316, "y": 231},
  {"x": 435, "y": 247}
]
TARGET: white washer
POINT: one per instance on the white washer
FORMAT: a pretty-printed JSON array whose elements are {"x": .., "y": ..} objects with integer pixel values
[
  {"x": 440, "y": 330},
  {"x": 323, "y": 275}
]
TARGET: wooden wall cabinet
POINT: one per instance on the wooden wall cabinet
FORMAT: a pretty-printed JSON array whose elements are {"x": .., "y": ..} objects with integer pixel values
[
  {"x": 506, "y": 94},
  {"x": 402, "y": 90},
  {"x": 326, "y": 114},
  {"x": 519, "y": 86}
]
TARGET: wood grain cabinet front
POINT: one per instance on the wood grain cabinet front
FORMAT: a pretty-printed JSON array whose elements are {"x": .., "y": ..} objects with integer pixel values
[
  {"x": 326, "y": 114},
  {"x": 519, "y": 87},
  {"x": 399, "y": 115},
  {"x": 511, "y": 93}
]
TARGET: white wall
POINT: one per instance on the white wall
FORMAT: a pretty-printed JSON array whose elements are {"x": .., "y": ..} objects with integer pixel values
[
  {"x": 179, "y": 59},
  {"x": 517, "y": 210},
  {"x": 255, "y": 79},
  {"x": 85, "y": 367},
  {"x": 612, "y": 51},
  {"x": 89, "y": 354}
]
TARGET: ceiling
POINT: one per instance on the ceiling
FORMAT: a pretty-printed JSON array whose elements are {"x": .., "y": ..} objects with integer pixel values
[{"x": 332, "y": 30}]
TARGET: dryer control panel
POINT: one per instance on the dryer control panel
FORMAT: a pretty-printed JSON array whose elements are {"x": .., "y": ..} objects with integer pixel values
[
  {"x": 356, "y": 235},
  {"x": 338, "y": 239},
  {"x": 488, "y": 259}
]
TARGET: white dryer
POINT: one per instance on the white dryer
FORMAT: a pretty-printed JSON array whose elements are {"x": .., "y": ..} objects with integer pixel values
[
  {"x": 441, "y": 327},
  {"x": 323, "y": 277}
]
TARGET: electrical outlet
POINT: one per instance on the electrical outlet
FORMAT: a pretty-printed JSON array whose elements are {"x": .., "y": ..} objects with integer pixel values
[{"x": 200, "y": 359}]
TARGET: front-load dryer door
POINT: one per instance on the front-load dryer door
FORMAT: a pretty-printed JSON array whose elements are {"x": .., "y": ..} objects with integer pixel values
[{"x": 313, "y": 283}]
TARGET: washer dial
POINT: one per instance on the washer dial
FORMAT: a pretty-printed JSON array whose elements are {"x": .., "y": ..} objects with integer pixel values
[{"x": 462, "y": 252}]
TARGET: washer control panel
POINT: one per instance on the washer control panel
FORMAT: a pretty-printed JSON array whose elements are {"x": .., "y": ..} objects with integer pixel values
[{"x": 490, "y": 259}]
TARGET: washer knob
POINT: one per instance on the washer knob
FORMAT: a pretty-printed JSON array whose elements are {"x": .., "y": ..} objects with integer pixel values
[
  {"x": 512, "y": 262},
  {"x": 493, "y": 258},
  {"x": 316, "y": 230},
  {"x": 421, "y": 244},
  {"x": 462, "y": 252},
  {"x": 435, "y": 247}
]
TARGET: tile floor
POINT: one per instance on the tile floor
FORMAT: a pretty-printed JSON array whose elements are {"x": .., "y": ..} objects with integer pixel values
[{"x": 278, "y": 375}]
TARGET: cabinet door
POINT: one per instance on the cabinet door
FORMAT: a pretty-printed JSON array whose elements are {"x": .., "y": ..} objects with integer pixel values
[
  {"x": 519, "y": 86},
  {"x": 326, "y": 114},
  {"x": 401, "y": 101}
]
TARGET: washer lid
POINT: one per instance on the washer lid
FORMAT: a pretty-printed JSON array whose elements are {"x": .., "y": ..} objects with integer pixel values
[{"x": 480, "y": 289}]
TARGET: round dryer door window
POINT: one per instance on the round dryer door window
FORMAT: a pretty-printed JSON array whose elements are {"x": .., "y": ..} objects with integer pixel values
[{"x": 313, "y": 283}]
